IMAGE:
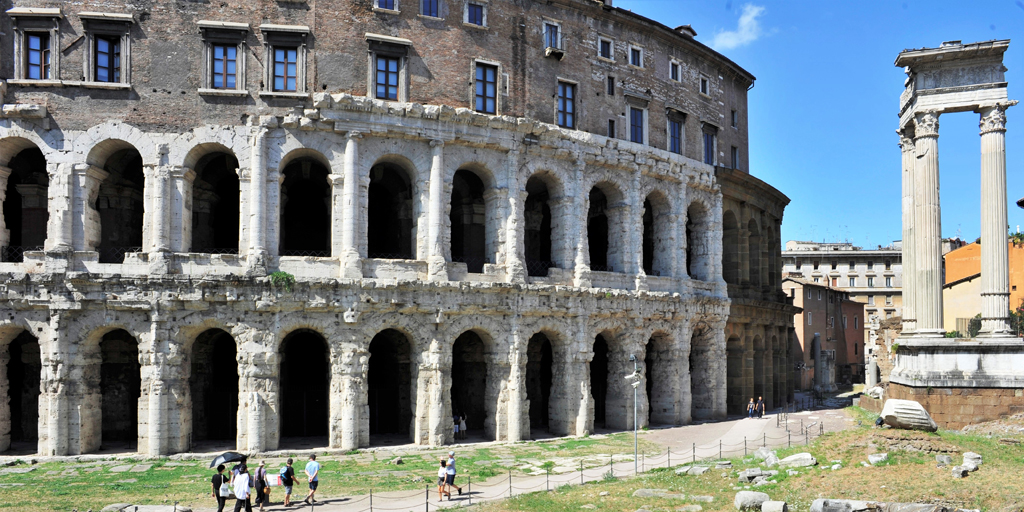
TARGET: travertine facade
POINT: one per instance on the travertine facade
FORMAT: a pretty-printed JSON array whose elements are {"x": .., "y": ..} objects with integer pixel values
[{"x": 445, "y": 260}]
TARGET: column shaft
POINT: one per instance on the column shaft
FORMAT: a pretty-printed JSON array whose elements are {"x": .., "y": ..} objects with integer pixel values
[
  {"x": 927, "y": 227},
  {"x": 436, "y": 266},
  {"x": 350, "y": 209},
  {"x": 258, "y": 201},
  {"x": 995, "y": 284},
  {"x": 909, "y": 266},
  {"x": 514, "y": 223}
]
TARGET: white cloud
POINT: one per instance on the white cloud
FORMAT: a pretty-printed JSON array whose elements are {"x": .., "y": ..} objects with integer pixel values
[{"x": 747, "y": 31}]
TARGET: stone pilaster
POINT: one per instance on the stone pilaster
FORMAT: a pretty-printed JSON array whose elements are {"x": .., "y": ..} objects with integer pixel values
[
  {"x": 258, "y": 388},
  {"x": 578, "y": 230},
  {"x": 632, "y": 258},
  {"x": 995, "y": 284},
  {"x": 348, "y": 396},
  {"x": 85, "y": 219},
  {"x": 258, "y": 249},
  {"x": 516, "y": 388},
  {"x": 436, "y": 266},
  {"x": 60, "y": 195},
  {"x": 928, "y": 226},
  {"x": 909, "y": 233},
  {"x": 182, "y": 179},
  {"x": 350, "y": 258},
  {"x": 515, "y": 269}
]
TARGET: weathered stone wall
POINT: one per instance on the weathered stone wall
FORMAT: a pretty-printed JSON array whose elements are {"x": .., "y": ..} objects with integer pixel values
[{"x": 955, "y": 408}]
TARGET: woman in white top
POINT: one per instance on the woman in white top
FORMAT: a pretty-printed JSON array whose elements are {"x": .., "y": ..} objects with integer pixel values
[
  {"x": 442, "y": 474},
  {"x": 240, "y": 483}
]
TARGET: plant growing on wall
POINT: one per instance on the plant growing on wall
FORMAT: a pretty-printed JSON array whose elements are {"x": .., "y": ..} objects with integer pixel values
[{"x": 282, "y": 280}]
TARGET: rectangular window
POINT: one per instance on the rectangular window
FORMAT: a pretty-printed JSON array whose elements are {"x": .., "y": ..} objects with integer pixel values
[
  {"x": 225, "y": 66},
  {"x": 108, "y": 59},
  {"x": 285, "y": 69},
  {"x": 386, "y": 4},
  {"x": 709, "y": 149},
  {"x": 636, "y": 125},
  {"x": 888, "y": 282},
  {"x": 636, "y": 57},
  {"x": 816, "y": 262},
  {"x": 844, "y": 321},
  {"x": 735, "y": 118},
  {"x": 605, "y": 49},
  {"x": 853, "y": 282},
  {"x": 832, "y": 322},
  {"x": 566, "y": 105},
  {"x": 675, "y": 137},
  {"x": 735, "y": 156},
  {"x": 37, "y": 62},
  {"x": 611, "y": 86},
  {"x": 673, "y": 71},
  {"x": 819, "y": 294},
  {"x": 853, "y": 266},
  {"x": 809, "y": 315},
  {"x": 871, "y": 300},
  {"x": 835, "y": 281},
  {"x": 704, "y": 88},
  {"x": 486, "y": 88},
  {"x": 808, "y": 293},
  {"x": 871, "y": 265},
  {"x": 475, "y": 14},
  {"x": 429, "y": 8},
  {"x": 611, "y": 128},
  {"x": 551, "y": 38},
  {"x": 888, "y": 264},
  {"x": 856, "y": 323},
  {"x": 387, "y": 78},
  {"x": 888, "y": 300},
  {"x": 871, "y": 282}
]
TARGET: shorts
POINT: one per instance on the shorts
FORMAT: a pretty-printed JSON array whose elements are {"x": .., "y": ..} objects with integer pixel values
[
  {"x": 440, "y": 481},
  {"x": 456, "y": 429},
  {"x": 312, "y": 485},
  {"x": 449, "y": 479},
  {"x": 287, "y": 489}
]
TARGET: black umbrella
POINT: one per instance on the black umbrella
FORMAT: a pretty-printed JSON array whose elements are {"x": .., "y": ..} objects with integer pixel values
[{"x": 227, "y": 457}]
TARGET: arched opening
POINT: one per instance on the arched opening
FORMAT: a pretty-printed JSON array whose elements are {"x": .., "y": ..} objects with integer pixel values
[
  {"x": 469, "y": 380},
  {"x": 25, "y": 207},
  {"x": 759, "y": 360},
  {"x": 730, "y": 248},
  {"x": 120, "y": 389},
  {"x": 305, "y": 209},
  {"x": 390, "y": 388},
  {"x": 599, "y": 380},
  {"x": 121, "y": 206},
  {"x": 213, "y": 385},
  {"x": 597, "y": 231},
  {"x": 702, "y": 380},
  {"x": 736, "y": 393},
  {"x": 657, "y": 257},
  {"x": 754, "y": 250},
  {"x": 537, "y": 228},
  {"x": 389, "y": 215},
  {"x": 215, "y": 200},
  {"x": 468, "y": 220},
  {"x": 698, "y": 248},
  {"x": 538, "y": 381},
  {"x": 658, "y": 380},
  {"x": 23, "y": 367},
  {"x": 305, "y": 381}
]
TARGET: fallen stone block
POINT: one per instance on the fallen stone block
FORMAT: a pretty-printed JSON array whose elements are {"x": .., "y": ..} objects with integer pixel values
[
  {"x": 692, "y": 470},
  {"x": 702, "y": 499},
  {"x": 723, "y": 465},
  {"x": 969, "y": 466},
  {"x": 959, "y": 472},
  {"x": 603, "y": 493},
  {"x": 115, "y": 507},
  {"x": 749, "y": 500},
  {"x": 690, "y": 508},
  {"x": 825, "y": 505},
  {"x": 13, "y": 471},
  {"x": 771, "y": 460},
  {"x": 798, "y": 460},
  {"x": 649, "y": 493},
  {"x": 837, "y": 467},
  {"x": 973, "y": 457},
  {"x": 792, "y": 472},
  {"x": 774, "y": 506},
  {"x": 907, "y": 414},
  {"x": 748, "y": 475},
  {"x": 875, "y": 392},
  {"x": 878, "y": 458},
  {"x": 944, "y": 460},
  {"x": 396, "y": 461},
  {"x": 763, "y": 452}
]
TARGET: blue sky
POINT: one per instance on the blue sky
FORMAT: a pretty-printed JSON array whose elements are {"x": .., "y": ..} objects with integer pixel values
[{"x": 823, "y": 112}]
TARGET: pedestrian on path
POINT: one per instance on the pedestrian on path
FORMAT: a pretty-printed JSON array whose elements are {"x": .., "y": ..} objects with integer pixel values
[
  {"x": 760, "y": 407},
  {"x": 451, "y": 475},
  {"x": 288, "y": 479},
  {"x": 262, "y": 486},
  {"x": 312, "y": 472},
  {"x": 241, "y": 483},
  {"x": 442, "y": 479},
  {"x": 220, "y": 480},
  {"x": 751, "y": 408}
]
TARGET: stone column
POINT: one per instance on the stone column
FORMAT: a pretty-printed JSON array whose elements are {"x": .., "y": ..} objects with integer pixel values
[
  {"x": 157, "y": 186},
  {"x": 517, "y": 401},
  {"x": 353, "y": 397},
  {"x": 909, "y": 234},
  {"x": 578, "y": 229},
  {"x": 85, "y": 228},
  {"x": 995, "y": 284},
  {"x": 633, "y": 253},
  {"x": 437, "y": 268},
  {"x": 182, "y": 179},
  {"x": 928, "y": 227},
  {"x": 350, "y": 261},
  {"x": 60, "y": 196},
  {"x": 515, "y": 269},
  {"x": 257, "y": 257}
]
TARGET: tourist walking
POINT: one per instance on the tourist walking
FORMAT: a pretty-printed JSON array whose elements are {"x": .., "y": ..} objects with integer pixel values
[
  {"x": 442, "y": 479},
  {"x": 241, "y": 483},
  {"x": 312, "y": 474},
  {"x": 221, "y": 488},
  {"x": 288, "y": 479},
  {"x": 450, "y": 479},
  {"x": 751, "y": 408},
  {"x": 262, "y": 486},
  {"x": 760, "y": 407}
]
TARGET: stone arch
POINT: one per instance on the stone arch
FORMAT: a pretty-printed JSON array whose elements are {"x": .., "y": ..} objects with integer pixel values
[
  {"x": 702, "y": 379},
  {"x": 203, "y": 140},
  {"x": 390, "y": 215},
  {"x": 390, "y": 379},
  {"x": 21, "y": 140},
  {"x": 20, "y": 373},
  {"x": 475, "y": 383},
  {"x": 116, "y": 375},
  {"x": 102, "y": 141},
  {"x": 470, "y": 234},
  {"x": 25, "y": 203},
  {"x": 216, "y": 199},
  {"x": 213, "y": 388},
  {"x": 120, "y": 203},
  {"x": 605, "y": 227},
  {"x": 544, "y": 224},
  {"x": 730, "y": 248},
  {"x": 660, "y": 380},
  {"x": 699, "y": 246},
  {"x": 754, "y": 252},
  {"x": 305, "y": 381},
  {"x": 657, "y": 235},
  {"x": 305, "y": 204},
  {"x": 612, "y": 394}
]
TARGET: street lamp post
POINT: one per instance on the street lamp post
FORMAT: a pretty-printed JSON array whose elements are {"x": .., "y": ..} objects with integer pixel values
[{"x": 635, "y": 377}]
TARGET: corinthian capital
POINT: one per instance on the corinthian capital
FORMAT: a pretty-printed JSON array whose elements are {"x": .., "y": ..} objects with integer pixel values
[
  {"x": 906, "y": 139},
  {"x": 926, "y": 124},
  {"x": 993, "y": 119}
]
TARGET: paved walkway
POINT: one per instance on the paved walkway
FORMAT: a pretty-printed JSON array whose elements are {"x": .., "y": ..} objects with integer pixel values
[{"x": 706, "y": 441}]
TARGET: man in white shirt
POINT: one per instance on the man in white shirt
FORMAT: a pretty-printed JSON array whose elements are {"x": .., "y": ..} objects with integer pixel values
[
  {"x": 240, "y": 483},
  {"x": 451, "y": 473}
]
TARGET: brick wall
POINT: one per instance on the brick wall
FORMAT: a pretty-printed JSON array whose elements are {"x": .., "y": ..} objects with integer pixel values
[{"x": 954, "y": 408}]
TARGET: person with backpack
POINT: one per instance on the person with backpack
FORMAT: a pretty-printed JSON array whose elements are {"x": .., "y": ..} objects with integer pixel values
[{"x": 288, "y": 479}]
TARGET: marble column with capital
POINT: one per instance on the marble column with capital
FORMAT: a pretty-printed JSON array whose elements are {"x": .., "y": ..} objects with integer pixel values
[
  {"x": 995, "y": 284},
  {"x": 350, "y": 261},
  {"x": 927, "y": 227},
  {"x": 437, "y": 267},
  {"x": 909, "y": 256}
]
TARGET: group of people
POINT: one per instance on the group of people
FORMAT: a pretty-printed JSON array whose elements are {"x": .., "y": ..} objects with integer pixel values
[
  {"x": 446, "y": 478},
  {"x": 459, "y": 422},
  {"x": 243, "y": 485},
  {"x": 755, "y": 409}
]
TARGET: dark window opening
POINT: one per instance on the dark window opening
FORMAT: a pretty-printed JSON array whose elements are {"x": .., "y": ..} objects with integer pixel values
[
  {"x": 390, "y": 388},
  {"x": 305, "y": 209},
  {"x": 386, "y": 4},
  {"x": 286, "y": 69},
  {"x": 566, "y": 105},
  {"x": 675, "y": 137},
  {"x": 120, "y": 389},
  {"x": 215, "y": 200},
  {"x": 107, "y": 60},
  {"x": 225, "y": 62},
  {"x": 611, "y": 86},
  {"x": 486, "y": 88},
  {"x": 37, "y": 61},
  {"x": 709, "y": 147},
  {"x": 537, "y": 216},
  {"x": 430, "y": 8},
  {"x": 121, "y": 206},
  {"x": 599, "y": 380},
  {"x": 597, "y": 231},
  {"x": 636, "y": 125},
  {"x": 551, "y": 38},
  {"x": 539, "y": 376},
  {"x": 389, "y": 214},
  {"x": 25, "y": 207},
  {"x": 606, "y": 48},
  {"x": 23, "y": 370},
  {"x": 305, "y": 381},
  {"x": 475, "y": 14},
  {"x": 673, "y": 71},
  {"x": 469, "y": 380},
  {"x": 657, "y": 375},
  {"x": 735, "y": 157},
  {"x": 636, "y": 57},
  {"x": 648, "y": 238},
  {"x": 611, "y": 128},
  {"x": 468, "y": 217},
  {"x": 387, "y": 78},
  {"x": 213, "y": 385}
]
